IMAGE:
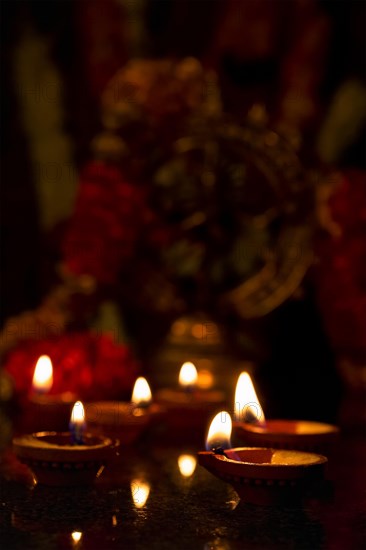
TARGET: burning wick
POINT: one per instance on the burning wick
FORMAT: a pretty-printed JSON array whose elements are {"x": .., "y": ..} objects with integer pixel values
[
  {"x": 219, "y": 433},
  {"x": 247, "y": 407},
  {"x": 43, "y": 375},
  {"x": 77, "y": 423},
  {"x": 188, "y": 377},
  {"x": 218, "y": 437},
  {"x": 218, "y": 451},
  {"x": 141, "y": 395}
]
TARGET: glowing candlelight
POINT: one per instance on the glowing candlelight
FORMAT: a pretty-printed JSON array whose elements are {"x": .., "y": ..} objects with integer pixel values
[
  {"x": 141, "y": 395},
  {"x": 193, "y": 403},
  {"x": 47, "y": 411},
  {"x": 188, "y": 376},
  {"x": 43, "y": 375},
  {"x": 219, "y": 433},
  {"x": 256, "y": 431},
  {"x": 77, "y": 423},
  {"x": 140, "y": 491},
  {"x": 205, "y": 379},
  {"x": 247, "y": 407},
  {"x": 187, "y": 465}
]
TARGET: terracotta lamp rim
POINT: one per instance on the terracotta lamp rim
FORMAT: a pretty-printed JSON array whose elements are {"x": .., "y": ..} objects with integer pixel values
[
  {"x": 57, "y": 446},
  {"x": 320, "y": 459},
  {"x": 258, "y": 481},
  {"x": 66, "y": 398},
  {"x": 119, "y": 413},
  {"x": 54, "y": 461},
  {"x": 38, "y": 440},
  {"x": 296, "y": 428},
  {"x": 308, "y": 459}
]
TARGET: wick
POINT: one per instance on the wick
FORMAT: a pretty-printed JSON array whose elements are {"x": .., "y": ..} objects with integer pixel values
[
  {"x": 189, "y": 389},
  {"x": 219, "y": 451},
  {"x": 141, "y": 408},
  {"x": 143, "y": 405},
  {"x": 38, "y": 392}
]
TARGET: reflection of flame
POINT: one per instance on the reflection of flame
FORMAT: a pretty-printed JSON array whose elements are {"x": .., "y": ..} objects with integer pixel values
[
  {"x": 187, "y": 465},
  {"x": 219, "y": 432},
  {"x": 76, "y": 536},
  {"x": 188, "y": 375},
  {"x": 247, "y": 407},
  {"x": 77, "y": 414},
  {"x": 140, "y": 491},
  {"x": 43, "y": 375},
  {"x": 141, "y": 394}
]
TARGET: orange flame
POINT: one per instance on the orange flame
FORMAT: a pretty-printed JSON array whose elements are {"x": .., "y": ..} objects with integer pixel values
[
  {"x": 43, "y": 375},
  {"x": 141, "y": 394},
  {"x": 77, "y": 414},
  {"x": 247, "y": 407},
  {"x": 188, "y": 375},
  {"x": 219, "y": 432}
]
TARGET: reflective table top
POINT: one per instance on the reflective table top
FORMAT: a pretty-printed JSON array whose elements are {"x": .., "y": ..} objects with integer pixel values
[{"x": 158, "y": 498}]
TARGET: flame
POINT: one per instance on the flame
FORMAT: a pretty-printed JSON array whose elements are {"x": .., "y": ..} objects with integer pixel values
[
  {"x": 43, "y": 375},
  {"x": 187, "y": 465},
  {"x": 205, "y": 379},
  {"x": 199, "y": 330},
  {"x": 141, "y": 394},
  {"x": 188, "y": 375},
  {"x": 247, "y": 407},
  {"x": 140, "y": 491},
  {"x": 219, "y": 432},
  {"x": 77, "y": 414},
  {"x": 76, "y": 536}
]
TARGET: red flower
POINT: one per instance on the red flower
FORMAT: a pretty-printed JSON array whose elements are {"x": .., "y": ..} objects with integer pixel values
[
  {"x": 91, "y": 365},
  {"x": 340, "y": 273},
  {"x": 105, "y": 225}
]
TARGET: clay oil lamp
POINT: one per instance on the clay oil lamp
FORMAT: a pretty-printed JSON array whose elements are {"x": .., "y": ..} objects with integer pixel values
[
  {"x": 122, "y": 420},
  {"x": 189, "y": 407},
  {"x": 65, "y": 458},
  {"x": 252, "y": 428},
  {"x": 262, "y": 476},
  {"x": 44, "y": 410}
]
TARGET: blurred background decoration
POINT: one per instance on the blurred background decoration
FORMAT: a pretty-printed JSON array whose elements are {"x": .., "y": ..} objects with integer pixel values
[{"x": 192, "y": 163}]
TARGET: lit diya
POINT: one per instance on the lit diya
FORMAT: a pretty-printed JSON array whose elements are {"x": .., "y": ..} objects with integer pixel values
[
  {"x": 126, "y": 421},
  {"x": 189, "y": 405},
  {"x": 260, "y": 475},
  {"x": 65, "y": 458},
  {"x": 253, "y": 428},
  {"x": 46, "y": 411}
]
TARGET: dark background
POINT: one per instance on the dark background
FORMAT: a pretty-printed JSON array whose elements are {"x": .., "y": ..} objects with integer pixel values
[{"x": 294, "y": 332}]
